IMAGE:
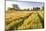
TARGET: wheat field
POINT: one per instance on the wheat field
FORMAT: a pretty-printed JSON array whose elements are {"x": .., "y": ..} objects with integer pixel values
[{"x": 22, "y": 20}]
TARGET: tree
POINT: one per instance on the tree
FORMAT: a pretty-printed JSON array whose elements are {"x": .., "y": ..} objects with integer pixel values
[
  {"x": 36, "y": 8},
  {"x": 15, "y": 6},
  {"x": 43, "y": 8}
]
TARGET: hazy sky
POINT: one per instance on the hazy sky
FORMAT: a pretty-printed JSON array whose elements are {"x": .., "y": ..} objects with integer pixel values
[{"x": 25, "y": 5}]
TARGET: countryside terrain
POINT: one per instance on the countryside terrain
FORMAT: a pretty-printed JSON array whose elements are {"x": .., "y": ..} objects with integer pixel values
[
  {"x": 23, "y": 20},
  {"x": 18, "y": 19}
]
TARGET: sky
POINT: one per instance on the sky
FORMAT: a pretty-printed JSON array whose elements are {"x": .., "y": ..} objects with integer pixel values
[{"x": 24, "y": 4}]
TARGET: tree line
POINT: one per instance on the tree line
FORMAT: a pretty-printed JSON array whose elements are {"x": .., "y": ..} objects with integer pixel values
[{"x": 16, "y": 7}]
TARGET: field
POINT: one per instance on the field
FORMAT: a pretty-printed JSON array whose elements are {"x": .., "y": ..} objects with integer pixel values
[{"x": 21, "y": 20}]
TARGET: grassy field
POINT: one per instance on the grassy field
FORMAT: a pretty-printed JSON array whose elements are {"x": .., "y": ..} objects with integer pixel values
[{"x": 21, "y": 20}]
